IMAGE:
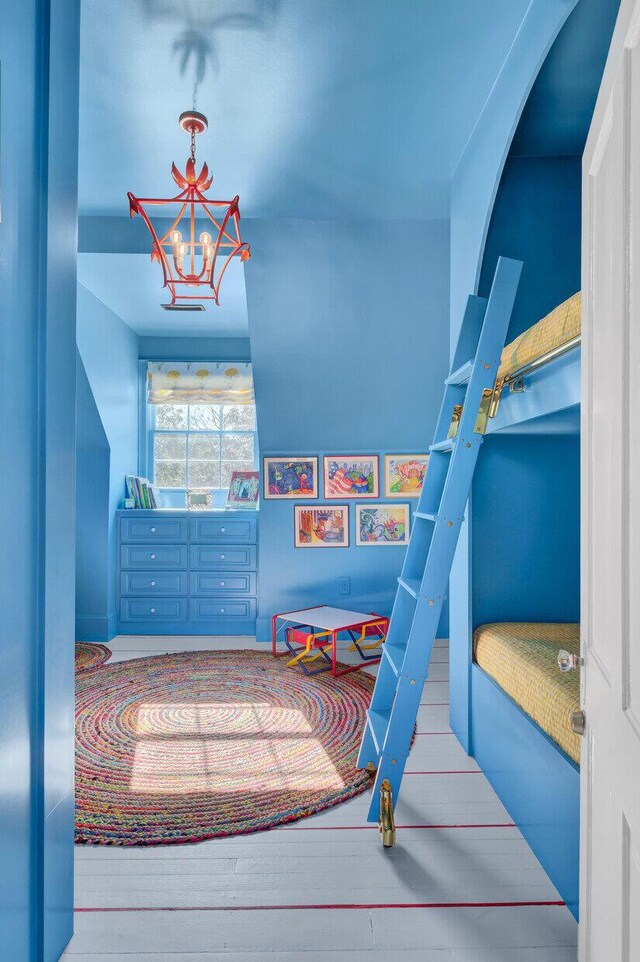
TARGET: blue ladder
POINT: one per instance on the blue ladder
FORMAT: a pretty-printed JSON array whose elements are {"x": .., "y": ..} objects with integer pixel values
[{"x": 437, "y": 521}]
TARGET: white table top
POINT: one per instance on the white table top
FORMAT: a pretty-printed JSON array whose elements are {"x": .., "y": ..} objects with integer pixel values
[{"x": 328, "y": 618}]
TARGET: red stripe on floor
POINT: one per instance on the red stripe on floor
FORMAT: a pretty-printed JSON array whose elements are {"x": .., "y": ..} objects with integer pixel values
[
  {"x": 471, "y": 771},
  {"x": 358, "y": 828},
  {"x": 337, "y": 905}
]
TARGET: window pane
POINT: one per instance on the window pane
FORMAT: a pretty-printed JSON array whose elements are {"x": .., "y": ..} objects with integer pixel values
[
  {"x": 202, "y": 474},
  {"x": 171, "y": 474},
  {"x": 237, "y": 447},
  {"x": 204, "y": 447},
  {"x": 228, "y": 467},
  {"x": 204, "y": 417},
  {"x": 172, "y": 446},
  {"x": 239, "y": 417},
  {"x": 170, "y": 417}
]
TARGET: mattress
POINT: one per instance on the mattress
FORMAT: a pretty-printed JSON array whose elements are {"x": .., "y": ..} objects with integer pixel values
[
  {"x": 558, "y": 327},
  {"x": 523, "y": 660}
]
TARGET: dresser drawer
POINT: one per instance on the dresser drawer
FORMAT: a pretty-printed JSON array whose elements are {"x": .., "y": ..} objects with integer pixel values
[
  {"x": 150, "y": 610},
  {"x": 153, "y": 530},
  {"x": 223, "y": 530},
  {"x": 211, "y": 558},
  {"x": 207, "y": 583},
  {"x": 153, "y": 556},
  {"x": 201, "y": 609},
  {"x": 153, "y": 583}
]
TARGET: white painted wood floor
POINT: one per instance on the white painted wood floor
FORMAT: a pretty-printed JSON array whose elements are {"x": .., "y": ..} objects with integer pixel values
[{"x": 222, "y": 900}]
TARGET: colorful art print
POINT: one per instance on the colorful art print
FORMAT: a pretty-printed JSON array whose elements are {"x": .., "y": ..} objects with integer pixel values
[
  {"x": 382, "y": 524},
  {"x": 325, "y": 526},
  {"x": 199, "y": 499},
  {"x": 290, "y": 477},
  {"x": 244, "y": 489},
  {"x": 351, "y": 476},
  {"x": 404, "y": 475}
]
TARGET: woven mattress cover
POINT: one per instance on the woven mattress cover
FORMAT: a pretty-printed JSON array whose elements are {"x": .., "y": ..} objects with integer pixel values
[
  {"x": 558, "y": 327},
  {"x": 522, "y": 658}
]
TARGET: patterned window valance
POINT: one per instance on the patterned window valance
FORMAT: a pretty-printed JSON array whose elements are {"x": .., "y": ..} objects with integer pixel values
[{"x": 199, "y": 382}]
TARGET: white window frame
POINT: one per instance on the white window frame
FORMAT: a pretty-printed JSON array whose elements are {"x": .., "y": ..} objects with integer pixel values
[{"x": 148, "y": 432}]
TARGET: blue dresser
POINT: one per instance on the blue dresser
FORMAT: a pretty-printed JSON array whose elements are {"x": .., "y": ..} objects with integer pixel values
[{"x": 187, "y": 572}]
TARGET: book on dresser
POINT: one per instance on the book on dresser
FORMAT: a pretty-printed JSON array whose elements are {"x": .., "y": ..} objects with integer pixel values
[{"x": 187, "y": 572}]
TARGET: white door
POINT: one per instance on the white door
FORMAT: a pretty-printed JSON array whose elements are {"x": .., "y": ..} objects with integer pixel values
[{"x": 610, "y": 784}]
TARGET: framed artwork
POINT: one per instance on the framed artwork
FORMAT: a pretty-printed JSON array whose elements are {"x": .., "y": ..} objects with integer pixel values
[
  {"x": 351, "y": 476},
  {"x": 199, "y": 499},
  {"x": 382, "y": 524},
  {"x": 290, "y": 477},
  {"x": 244, "y": 489},
  {"x": 323, "y": 526},
  {"x": 404, "y": 475}
]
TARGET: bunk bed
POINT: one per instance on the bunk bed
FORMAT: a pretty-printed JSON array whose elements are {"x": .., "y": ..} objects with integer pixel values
[
  {"x": 539, "y": 375},
  {"x": 519, "y": 570}
]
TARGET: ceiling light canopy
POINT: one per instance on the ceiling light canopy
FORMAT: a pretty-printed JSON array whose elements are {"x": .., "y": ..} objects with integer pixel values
[{"x": 195, "y": 238}]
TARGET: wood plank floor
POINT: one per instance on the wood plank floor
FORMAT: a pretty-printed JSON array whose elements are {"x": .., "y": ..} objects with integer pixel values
[{"x": 324, "y": 889}]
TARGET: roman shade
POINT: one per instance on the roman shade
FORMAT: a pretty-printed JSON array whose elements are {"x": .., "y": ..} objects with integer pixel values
[{"x": 199, "y": 382}]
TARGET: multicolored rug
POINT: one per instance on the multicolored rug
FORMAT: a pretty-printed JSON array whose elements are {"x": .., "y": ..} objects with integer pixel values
[
  {"x": 196, "y": 745},
  {"x": 89, "y": 655}
]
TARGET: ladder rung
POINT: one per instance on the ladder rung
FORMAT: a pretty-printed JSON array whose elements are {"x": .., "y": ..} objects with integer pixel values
[
  {"x": 412, "y": 585},
  {"x": 378, "y": 722},
  {"x": 426, "y": 516},
  {"x": 443, "y": 445},
  {"x": 387, "y": 653},
  {"x": 462, "y": 375}
]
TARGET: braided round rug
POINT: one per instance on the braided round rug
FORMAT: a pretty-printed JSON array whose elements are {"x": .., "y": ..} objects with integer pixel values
[
  {"x": 184, "y": 747},
  {"x": 89, "y": 655}
]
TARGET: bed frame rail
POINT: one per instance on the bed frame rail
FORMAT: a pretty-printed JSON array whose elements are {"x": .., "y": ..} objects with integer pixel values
[{"x": 515, "y": 381}]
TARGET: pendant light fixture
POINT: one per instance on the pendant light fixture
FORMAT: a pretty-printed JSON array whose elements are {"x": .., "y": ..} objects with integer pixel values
[{"x": 195, "y": 238}]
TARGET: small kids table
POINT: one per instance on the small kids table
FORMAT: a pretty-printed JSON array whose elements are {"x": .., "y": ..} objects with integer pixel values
[{"x": 312, "y": 634}]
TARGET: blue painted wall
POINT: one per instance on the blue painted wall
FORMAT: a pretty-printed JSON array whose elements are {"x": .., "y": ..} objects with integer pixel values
[
  {"x": 475, "y": 180},
  {"x": 536, "y": 218},
  {"x": 108, "y": 351},
  {"x": 39, "y": 56},
  {"x": 93, "y": 457},
  {"x": 194, "y": 348},
  {"x": 526, "y": 530},
  {"x": 348, "y": 325}
]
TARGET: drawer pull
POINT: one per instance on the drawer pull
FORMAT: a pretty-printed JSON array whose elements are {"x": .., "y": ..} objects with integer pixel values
[
  {"x": 153, "y": 557},
  {"x": 222, "y": 611},
  {"x": 221, "y": 557},
  {"x": 153, "y": 531},
  {"x": 222, "y": 530},
  {"x": 153, "y": 584},
  {"x": 153, "y": 611},
  {"x": 222, "y": 584}
]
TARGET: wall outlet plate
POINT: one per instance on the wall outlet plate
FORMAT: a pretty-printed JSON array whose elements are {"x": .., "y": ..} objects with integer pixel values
[{"x": 344, "y": 586}]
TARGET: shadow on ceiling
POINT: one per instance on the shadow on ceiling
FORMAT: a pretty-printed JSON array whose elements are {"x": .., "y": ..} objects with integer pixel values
[{"x": 200, "y": 22}]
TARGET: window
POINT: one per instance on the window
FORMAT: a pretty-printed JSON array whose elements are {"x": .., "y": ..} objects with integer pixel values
[{"x": 201, "y": 445}]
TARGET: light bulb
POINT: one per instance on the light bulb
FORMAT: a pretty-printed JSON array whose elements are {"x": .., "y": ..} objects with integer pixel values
[
  {"x": 175, "y": 237},
  {"x": 205, "y": 238},
  {"x": 184, "y": 248}
]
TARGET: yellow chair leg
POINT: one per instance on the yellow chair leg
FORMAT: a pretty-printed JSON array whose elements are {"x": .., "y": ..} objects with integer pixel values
[{"x": 307, "y": 653}]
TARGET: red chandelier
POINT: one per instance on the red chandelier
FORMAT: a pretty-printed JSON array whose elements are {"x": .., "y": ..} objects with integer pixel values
[{"x": 188, "y": 263}]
